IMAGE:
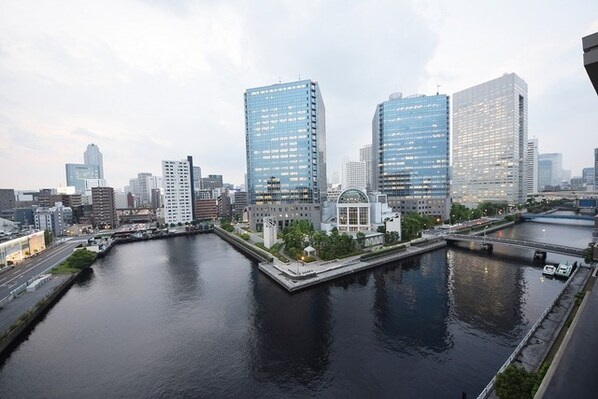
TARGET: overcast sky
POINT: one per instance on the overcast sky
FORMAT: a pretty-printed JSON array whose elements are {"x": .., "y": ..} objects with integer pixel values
[{"x": 153, "y": 80}]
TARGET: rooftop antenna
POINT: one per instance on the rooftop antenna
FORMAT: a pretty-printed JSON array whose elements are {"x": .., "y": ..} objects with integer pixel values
[
  {"x": 299, "y": 76},
  {"x": 279, "y": 81},
  {"x": 437, "y": 89}
]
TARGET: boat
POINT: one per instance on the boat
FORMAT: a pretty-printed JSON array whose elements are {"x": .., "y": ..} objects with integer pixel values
[
  {"x": 564, "y": 270},
  {"x": 549, "y": 270}
]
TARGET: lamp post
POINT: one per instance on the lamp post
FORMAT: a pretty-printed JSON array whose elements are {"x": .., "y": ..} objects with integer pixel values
[{"x": 485, "y": 234}]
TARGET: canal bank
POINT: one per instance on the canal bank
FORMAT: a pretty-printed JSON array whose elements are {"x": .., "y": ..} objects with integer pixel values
[
  {"x": 177, "y": 317},
  {"x": 20, "y": 314},
  {"x": 22, "y": 310},
  {"x": 293, "y": 277},
  {"x": 534, "y": 348}
]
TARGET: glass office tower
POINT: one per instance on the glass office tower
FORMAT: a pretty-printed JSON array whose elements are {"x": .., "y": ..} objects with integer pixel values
[
  {"x": 76, "y": 174},
  {"x": 490, "y": 141},
  {"x": 410, "y": 153},
  {"x": 93, "y": 156},
  {"x": 285, "y": 137}
]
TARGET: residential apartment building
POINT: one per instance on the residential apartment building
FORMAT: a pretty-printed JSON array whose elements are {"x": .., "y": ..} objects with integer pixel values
[
  {"x": 104, "y": 208},
  {"x": 178, "y": 185}
]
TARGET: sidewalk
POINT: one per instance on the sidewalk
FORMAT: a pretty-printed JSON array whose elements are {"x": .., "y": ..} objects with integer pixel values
[{"x": 13, "y": 310}]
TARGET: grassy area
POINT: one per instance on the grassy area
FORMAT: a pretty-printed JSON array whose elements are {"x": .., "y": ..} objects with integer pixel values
[
  {"x": 78, "y": 260},
  {"x": 384, "y": 252}
]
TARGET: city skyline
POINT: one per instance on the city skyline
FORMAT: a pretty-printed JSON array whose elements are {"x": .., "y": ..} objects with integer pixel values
[{"x": 140, "y": 85}]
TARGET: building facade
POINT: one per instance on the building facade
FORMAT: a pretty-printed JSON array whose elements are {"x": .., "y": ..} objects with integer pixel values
[
  {"x": 354, "y": 175},
  {"x": 286, "y": 152},
  {"x": 93, "y": 156},
  {"x": 532, "y": 167},
  {"x": 104, "y": 208},
  {"x": 206, "y": 209},
  {"x": 365, "y": 155},
  {"x": 77, "y": 174},
  {"x": 52, "y": 219},
  {"x": 177, "y": 192},
  {"x": 490, "y": 125},
  {"x": 410, "y": 153},
  {"x": 587, "y": 174},
  {"x": 596, "y": 169},
  {"x": 552, "y": 172}
]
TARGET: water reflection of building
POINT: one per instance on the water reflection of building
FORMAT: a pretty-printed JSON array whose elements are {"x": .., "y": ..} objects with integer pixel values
[
  {"x": 486, "y": 292},
  {"x": 184, "y": 266},
  {"x": 290, "y": 334},
  {"x": 411, "y": 304}
]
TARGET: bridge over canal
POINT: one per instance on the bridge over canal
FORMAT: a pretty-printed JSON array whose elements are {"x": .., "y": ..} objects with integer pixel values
[
  {"x": 532, "y": 216},
  {"x": 539, "y": 247}
]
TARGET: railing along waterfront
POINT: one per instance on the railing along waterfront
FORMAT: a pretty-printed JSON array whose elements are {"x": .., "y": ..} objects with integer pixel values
[{"x": 526, "y": 338}]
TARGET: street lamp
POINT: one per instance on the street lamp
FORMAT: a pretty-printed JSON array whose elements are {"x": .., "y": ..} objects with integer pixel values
[{"x": 485, "y": 234}]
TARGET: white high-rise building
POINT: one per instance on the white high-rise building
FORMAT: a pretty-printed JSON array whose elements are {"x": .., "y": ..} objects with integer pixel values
[
  {"x": 365, "y": 155},
  {"x": 93, "y": 156},
  {"x": 178, "y": 206},
  {"x": 532, "y": 166},
  {"x": 490, "y": 142},
  {"x": 354, "y": 175}
]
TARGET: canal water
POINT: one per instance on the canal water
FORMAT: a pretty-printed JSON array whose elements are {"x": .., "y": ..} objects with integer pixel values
[{"x": 192, "y": 317}]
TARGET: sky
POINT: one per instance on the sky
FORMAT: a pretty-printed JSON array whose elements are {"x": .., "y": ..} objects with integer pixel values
[{"x": 153, "y": 80}]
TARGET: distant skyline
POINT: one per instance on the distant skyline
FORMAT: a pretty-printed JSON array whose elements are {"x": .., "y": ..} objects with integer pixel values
[{"x": 155, "y": 80}]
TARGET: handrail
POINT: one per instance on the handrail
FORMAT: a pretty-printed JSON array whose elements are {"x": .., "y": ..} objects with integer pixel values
[{"x": 526, "y": 338}]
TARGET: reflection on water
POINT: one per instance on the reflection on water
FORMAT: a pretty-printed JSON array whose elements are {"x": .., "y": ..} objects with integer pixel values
[
  {"x": 192, "y": 317},
  {"x": 486, "y": 293},
  {"x": 411, "y": 305},
  {"x": 290, "y": 334}
]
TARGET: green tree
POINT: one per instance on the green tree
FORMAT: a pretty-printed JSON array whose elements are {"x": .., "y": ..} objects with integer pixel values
[
  {"x": 588, "y": 253},
  {"x": 360, "y": 239},
  {"x": 515, "y": 383},
  {"x": 48, "y": 237}
]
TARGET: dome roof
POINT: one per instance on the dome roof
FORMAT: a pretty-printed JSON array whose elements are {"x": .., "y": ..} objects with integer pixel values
[{"x": 353, "y": 196}]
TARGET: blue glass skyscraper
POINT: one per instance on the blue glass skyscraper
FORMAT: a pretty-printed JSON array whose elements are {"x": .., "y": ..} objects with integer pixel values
[
  {"x": 410, "y": 151},
  {"x": 285, "y": 135}
]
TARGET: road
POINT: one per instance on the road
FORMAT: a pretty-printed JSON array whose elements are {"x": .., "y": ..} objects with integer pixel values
[
  {"x": 574, "y": 374},
  {"x": 10, "y": 279}
]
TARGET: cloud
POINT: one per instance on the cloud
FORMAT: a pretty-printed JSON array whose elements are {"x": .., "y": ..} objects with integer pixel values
[{"x": 153, "y": 80}]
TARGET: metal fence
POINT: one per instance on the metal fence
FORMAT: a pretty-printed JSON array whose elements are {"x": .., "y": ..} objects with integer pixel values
[
  {"x": 525, "y": 340},
  {"x": 14, "y": 293}
]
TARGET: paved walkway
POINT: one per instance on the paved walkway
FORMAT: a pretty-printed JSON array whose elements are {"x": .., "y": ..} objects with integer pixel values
[
  {"x": 27, "y": 300},
  {"x": 296, "y": 275},
  {"x": 573, "y": 373}
]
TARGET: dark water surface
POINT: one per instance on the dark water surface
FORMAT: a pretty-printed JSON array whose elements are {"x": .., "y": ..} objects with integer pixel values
[{"x": 192, "y": 317}]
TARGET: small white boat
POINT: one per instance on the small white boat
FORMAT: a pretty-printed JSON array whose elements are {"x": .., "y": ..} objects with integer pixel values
[
  {"x": 549, "y": 270},
  {"x": 564, "y": 270}
]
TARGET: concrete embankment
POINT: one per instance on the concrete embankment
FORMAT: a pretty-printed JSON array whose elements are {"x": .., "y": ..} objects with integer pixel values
[
  {"x": 535, "y": 346},
  {"x": 20, "y": 314},
  {"x": 24, "y": 311},
  {"x": 243, "y": 246},
  {"x": 284, "y": 275}
]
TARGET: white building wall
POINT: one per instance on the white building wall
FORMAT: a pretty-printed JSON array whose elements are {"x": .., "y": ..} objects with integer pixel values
[
  {"x": 177, "y": 192},
  {"x": 532, "y": 166},
  {"x": 354, "y": 175}
]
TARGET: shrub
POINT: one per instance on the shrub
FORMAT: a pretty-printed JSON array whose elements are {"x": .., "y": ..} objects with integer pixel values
[{"x": 517, "y": 383}]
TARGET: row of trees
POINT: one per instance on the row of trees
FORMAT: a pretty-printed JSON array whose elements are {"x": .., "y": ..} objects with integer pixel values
[{"x": 300, "y": 234}]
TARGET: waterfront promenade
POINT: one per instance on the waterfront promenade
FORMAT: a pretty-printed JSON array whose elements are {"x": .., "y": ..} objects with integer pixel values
[{"x": 297, "y": 275}]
